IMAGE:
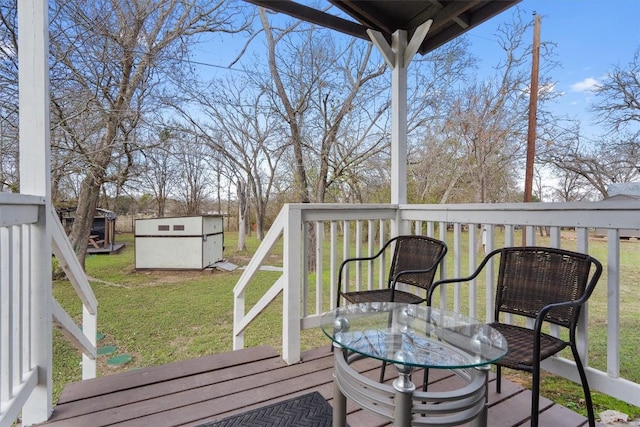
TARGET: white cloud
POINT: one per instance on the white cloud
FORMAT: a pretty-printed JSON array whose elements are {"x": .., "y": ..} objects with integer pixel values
[
  {"x": 544, "y": 89},
  {"x": 589, "y": 84},
  {"x": 547, "y": 88}
]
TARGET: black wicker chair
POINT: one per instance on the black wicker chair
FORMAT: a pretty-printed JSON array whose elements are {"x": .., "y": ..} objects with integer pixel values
[
  {"x": 548, "y": 285},
  {"x": 414, "y": 262}
]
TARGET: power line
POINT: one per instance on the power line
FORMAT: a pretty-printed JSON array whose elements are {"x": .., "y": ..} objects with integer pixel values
[{"x": 222, "y": 67}]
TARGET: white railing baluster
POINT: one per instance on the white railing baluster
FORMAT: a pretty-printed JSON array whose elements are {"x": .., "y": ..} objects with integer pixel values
[
  {"x": 554, "y": 236},
  {"x": 382, "y": 270},
  {"x": 490, "y": 273},
  {"x": 457, "y": 270},
  {"x": 333, "y": 265},
  {"x": 26, "y": 303},
  {"x": 319, "y": 260},
  {"x": 16, "y": 303},
  {"x": 371, "y": 250},
  {"x": 358, "y": 264},
  {"x": 430, "y": 229},
  {"x": 346, "y": 245},
  {"x": 582, "y": 245},
  {"x": 473, "y": 284},
  {"x": 6, "y": 329},
  {"x": 613, "y": 303},
  {"x": 304, "y": 278}
]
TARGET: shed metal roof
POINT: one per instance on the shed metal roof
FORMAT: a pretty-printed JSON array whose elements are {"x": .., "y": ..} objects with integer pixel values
[{"x": 451, "y": 18}]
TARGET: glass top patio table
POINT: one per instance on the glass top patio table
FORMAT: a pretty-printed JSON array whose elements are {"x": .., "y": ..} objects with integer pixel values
[{"x": 414, "y": 335}]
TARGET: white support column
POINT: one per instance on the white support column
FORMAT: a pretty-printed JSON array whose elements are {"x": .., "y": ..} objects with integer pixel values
[
  {"x": 399, "y": 120},
  {"x": 35, "y": 178},
  {"x": 398, "y": 56}
]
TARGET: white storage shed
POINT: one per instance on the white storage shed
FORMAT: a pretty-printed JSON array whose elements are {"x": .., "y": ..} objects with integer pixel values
[{"x": 193, "y": 243}]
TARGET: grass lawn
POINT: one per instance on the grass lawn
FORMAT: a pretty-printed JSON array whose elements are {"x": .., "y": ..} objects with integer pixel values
[{"x": 159, "y": 317}]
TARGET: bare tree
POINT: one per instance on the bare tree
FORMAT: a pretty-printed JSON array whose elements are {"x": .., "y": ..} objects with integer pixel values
[
  {"x": 618, "y": 98},
  {"x": 242, "y": 132},
  {"x": 109, "y": 58},
  {"x": 243, "y": 209},
  {"x": 9, "y": 174},
  {"x": 600, "y": 164},
  {"x": 434, "y": 169},
  {"x": 8, "y": 151},
  {"x": 249, "y": 136},
  {"x": 572, "y": 187},
  {"x": 159, "y": 170},
  {"x": 195, "y": 174},
  {"x": 489, "y": 137},
  {"x": 317, "y": 89},
  {"x": 588, "y": 164},
  {"x": 482, "y": 140}
]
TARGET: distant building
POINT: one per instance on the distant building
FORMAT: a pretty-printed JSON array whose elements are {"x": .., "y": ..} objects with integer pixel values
[{"x": 620, "y": 192}]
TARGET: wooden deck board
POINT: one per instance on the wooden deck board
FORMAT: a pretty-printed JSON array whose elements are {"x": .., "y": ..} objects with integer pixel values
[
  {"x": 157, "y": 374},
  {"x": 196, "y": 391},
  {"x": 207, "y": 384}
]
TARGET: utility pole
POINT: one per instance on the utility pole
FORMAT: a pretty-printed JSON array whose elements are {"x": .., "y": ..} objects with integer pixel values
[{"x": 533, "y": 107}]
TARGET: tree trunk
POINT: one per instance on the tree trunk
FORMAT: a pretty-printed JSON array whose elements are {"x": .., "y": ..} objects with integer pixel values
[
  {"x": 242, "y": 216},
  {"x": 85, "y": 212}
]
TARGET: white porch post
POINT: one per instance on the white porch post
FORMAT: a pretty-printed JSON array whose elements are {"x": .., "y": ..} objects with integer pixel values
[
  {"x": 399, "y": 119},
  {"x": 35, "y": 179},
  {"x": 292, "y": 274},
  {"x": 394, "y": 56},
  {"x": 397, "y": 57}
]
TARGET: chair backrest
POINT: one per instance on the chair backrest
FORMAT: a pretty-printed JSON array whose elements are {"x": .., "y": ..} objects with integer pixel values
[
  {"x": 416, "y": 253},
  {"x": 531, "y": 278}
]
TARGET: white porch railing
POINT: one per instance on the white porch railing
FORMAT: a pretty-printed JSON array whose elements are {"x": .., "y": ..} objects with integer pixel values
[
  {"x": 28, "y": 309},
  {"x": 336, "y": 228}
]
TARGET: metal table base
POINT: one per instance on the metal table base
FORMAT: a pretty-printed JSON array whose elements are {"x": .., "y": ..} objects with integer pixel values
[{"x": 402, "y": 404}]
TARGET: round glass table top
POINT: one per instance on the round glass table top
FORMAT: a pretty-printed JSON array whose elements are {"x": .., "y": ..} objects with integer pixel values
[{"x": 414, "y": 335}]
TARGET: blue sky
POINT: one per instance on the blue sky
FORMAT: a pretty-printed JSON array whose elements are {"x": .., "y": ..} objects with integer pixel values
[{"x": 591, "y": 36}]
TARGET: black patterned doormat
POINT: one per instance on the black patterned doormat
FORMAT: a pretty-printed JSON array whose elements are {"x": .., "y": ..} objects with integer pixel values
[{"x": 309, "y": 410}]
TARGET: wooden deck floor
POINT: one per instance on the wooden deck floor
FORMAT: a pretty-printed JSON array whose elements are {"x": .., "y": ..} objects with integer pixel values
[{"x": 192, "y": 392}]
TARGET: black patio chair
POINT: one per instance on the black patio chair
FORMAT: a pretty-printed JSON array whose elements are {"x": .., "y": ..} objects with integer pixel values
[
  {"x": 548, "y": 285},
  {"x": 414, "y": 262}
]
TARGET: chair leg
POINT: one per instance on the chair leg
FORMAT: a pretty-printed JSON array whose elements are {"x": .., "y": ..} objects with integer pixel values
[
  {"x": 384, "y": 364},
  {"x": 425, "y": 382},
  {"x": 585, "y": 387},
  {"x": 535, "y": 396},
  {"x": 337, "y": 306},
  {"x": 498, "y": 379}
]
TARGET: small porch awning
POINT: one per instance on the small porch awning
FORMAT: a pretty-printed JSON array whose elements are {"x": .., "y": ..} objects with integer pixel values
[{"x": 450, "y": 18}]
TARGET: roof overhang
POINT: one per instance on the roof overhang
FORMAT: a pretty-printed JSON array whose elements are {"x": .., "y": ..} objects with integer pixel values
[{"x": 451, "y": 18}]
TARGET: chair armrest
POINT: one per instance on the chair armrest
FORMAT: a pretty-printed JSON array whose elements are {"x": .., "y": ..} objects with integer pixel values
[
  {"x": 462, "y": 279},
  {"x": 368, "y": 258},
  {"x": 537, "y": 327},
  {"x": 346, "y": 261}
]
